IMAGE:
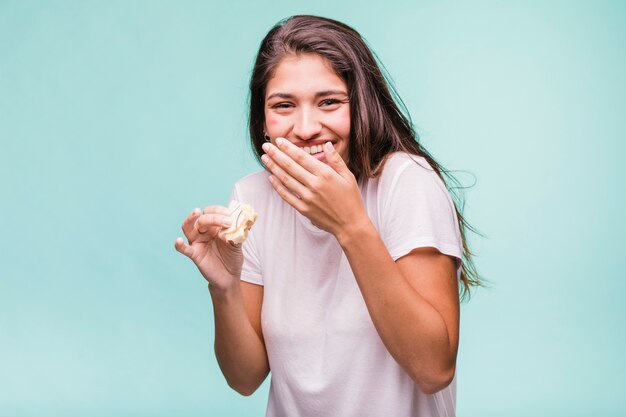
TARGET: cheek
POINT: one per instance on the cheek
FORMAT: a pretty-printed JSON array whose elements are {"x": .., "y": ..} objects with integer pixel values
[
  {"x": 341, "y": 122},
  {"x": 272, "y": 122}
]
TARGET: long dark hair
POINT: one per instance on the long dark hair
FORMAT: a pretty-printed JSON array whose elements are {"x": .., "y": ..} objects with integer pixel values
[{"x": 378, "y": 127}]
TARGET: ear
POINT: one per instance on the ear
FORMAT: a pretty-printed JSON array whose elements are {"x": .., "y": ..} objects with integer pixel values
[{"x": 265, "y": 135}]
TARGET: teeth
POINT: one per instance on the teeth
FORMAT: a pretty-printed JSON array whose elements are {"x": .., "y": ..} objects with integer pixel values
[{"x": 313, "y": 149}]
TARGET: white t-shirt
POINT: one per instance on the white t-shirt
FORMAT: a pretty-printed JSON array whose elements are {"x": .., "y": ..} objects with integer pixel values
[{"x": 325, "y": 356}]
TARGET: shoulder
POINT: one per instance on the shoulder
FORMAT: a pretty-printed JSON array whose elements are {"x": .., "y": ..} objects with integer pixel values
[
  {"x": 252, "y": 187},
  {"x": 402, "y": 170},
  {"x": 416, "y": 209},
  {"x": 255, "y": 189},
  {"x": 253, "y": 180}
]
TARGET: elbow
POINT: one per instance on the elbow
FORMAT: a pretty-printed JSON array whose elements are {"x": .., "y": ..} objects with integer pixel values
[
  {"x": 433, "y": 382},
  {"x": 246, "y": 392},
  {"x": 245, "y": 381},
  {"x": 248, "y": 384},
  {"x": 242, "y": 388}
]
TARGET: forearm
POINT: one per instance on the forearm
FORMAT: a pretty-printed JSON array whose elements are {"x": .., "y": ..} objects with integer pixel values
[
  {"x": 413, "y": 331},
  {"x": 239, "y": 350}
]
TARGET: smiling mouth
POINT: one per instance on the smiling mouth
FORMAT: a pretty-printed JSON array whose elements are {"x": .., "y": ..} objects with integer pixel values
[{"x": 312, "y": 150}]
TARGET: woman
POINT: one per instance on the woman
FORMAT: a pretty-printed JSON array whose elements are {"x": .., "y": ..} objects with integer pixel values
[{"x": 347, "y": 288}]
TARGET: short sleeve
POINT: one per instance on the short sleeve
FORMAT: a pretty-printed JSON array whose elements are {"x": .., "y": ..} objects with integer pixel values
[
  {"x": 417, "y": 210},
  {"x": 251, "y": 269}
]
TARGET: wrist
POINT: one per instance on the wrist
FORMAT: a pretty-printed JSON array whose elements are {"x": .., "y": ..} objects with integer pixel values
[
  {"x": 225, "y": 294},
  {"x": 355, "y": 231}
]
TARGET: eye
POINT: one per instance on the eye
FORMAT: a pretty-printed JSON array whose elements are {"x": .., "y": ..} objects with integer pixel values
[
  {"x": 282, "y": 105},
  {"x": 330, "y": 102}
]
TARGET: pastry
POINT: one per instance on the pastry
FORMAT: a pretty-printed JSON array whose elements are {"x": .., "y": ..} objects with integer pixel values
[{"x": 242, "y": 217}]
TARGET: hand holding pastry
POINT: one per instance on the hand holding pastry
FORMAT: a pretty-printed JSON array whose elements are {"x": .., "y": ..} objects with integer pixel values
[{"x": 214, "y": 239}]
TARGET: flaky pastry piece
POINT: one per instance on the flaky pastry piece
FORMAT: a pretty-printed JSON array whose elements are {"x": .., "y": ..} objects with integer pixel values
[{"x": 242, "y": 217}]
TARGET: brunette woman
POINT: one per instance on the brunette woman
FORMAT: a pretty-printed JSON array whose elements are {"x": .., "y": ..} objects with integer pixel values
[{"x": 347, "y": 288}]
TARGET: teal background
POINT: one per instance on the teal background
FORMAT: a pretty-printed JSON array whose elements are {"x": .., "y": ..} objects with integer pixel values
[{"x": 117, "y": 118}]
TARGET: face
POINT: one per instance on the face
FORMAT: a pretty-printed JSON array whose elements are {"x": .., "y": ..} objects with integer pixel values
[{"x": 307, "y": 104}]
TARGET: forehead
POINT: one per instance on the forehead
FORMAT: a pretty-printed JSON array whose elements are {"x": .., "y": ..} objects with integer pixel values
[{"x": 304, "y": 73}]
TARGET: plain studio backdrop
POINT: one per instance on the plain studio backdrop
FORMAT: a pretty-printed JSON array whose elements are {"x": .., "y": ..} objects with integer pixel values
[{"x": 118, "y": 118}]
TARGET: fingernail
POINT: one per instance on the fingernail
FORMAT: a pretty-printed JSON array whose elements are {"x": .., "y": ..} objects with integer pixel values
[
  {"x": 264, "y": 158},
  {"x": 196, "y": 211},
  {"x": 265, "y": 147},
  {"x": 226, "y": 222},
  {"x": 329, "y": 146},
  {"x": 280, "y": 141}
]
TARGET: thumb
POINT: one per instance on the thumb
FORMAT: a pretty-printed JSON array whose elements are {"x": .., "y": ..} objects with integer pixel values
[
  {"x": 183, "y": 248},
  {"x": 335, "y": 160}
]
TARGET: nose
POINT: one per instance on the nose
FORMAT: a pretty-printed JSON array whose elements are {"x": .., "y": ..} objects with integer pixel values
[{"x": 307, "y": 124}]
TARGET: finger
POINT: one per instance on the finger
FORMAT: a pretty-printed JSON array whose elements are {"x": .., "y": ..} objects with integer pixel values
[
  {"x": 287, "y": 195},
  {"x": 212, "y": 223},
  {"x": 216, "y": 210},
  {"x": 335, "y": 161},
  {"x": 295, "y": 161},
  {"x": 285, "y": 178},
  {"x": 183, "y": 248},
  {"x": 308, "y": 162},
  {"x": 188, "y": 224}
]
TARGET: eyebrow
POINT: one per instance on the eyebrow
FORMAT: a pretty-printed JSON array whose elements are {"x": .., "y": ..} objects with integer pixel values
[{"x": 317, "y": 95}]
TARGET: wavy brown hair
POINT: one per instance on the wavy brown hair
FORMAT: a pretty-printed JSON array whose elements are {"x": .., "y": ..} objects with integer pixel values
[{"x": 380, "y": 124}]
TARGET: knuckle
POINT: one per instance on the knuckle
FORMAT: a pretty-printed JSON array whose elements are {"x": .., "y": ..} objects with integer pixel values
[
  {"x": 299, "y": 156},
  {"x": 288, "y": 164},
  {"x": 283, "y": 177},
  {"x": 305, "y": 197},
  {"x": 316, "y": 184}
]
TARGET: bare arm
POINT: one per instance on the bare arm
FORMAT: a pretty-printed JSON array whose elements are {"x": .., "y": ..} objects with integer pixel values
[
  {"x": 413, "y": 302},
  {"x": 239, "y": 346}
]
